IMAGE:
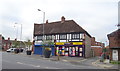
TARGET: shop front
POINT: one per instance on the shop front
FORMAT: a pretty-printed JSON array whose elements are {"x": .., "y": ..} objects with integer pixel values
[
  {"x": 73, "y": 49},
  {"x": 39, "y": 49}
]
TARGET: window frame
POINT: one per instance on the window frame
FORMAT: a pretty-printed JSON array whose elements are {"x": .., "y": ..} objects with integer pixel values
[
  {"x": 48, "y": 37},
  {"x": 39, "y": 38},
  {"x": 75, "y": 36},
  {"x": 62, "y": 35}
]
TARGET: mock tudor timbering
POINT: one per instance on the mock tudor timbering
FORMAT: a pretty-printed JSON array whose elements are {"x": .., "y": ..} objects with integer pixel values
[{"x": 63, "y": 31}]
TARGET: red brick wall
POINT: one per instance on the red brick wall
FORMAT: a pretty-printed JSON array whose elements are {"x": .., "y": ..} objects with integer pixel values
[
  {"x": 113, "y": 43},
  {"x": 97, "y": 51},
  {"x": 95, "y": 43}
]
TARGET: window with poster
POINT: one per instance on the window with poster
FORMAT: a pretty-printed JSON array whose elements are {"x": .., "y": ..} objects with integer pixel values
[
  {"x": 80, "y": 49},
  {"x": 66, "y": 51},
  {"x": 80, "y": 54}
]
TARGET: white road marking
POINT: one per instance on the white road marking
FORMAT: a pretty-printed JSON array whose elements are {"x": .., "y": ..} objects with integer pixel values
[
  {"x": 51, "y": 68},
  {"x": 28, "y": 64},
  {"x": 82, "y": 60},
  {"x": 37, "y": 66},
  {"x": 19, "y": 63}
]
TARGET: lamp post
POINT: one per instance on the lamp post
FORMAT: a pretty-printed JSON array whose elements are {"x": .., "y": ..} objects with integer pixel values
[
  {"x": 20, "y": 35},
  {"x": 43, "y": 21},
  {"x": 16, "y": 31},
  {"x": 43, "y": 29}
]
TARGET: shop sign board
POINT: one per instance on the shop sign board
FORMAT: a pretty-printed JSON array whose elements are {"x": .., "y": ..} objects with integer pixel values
[{"x": 69, "y": 43}]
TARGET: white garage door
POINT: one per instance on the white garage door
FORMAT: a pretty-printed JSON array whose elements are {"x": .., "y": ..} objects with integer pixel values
[{"x": 115, "y": 55}]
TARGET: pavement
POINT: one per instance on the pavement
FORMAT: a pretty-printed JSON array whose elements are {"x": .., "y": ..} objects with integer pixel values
[
  {"x": 105, "y": 65},
  {"x": 94, "y": 61}
]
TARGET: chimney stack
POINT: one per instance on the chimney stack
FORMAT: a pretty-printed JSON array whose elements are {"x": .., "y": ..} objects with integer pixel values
[
  {"x": 62, "y": 19},
  {"x": 8, "y": 38},
  {"x": 15, "y": 39},
  {"x": 46, "y": 21}
]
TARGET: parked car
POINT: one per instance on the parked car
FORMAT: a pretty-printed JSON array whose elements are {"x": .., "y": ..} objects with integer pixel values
[{"x": 11, "y": 50}]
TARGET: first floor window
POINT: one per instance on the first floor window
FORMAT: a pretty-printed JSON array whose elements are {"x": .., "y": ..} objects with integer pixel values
[
  {"x": 75, "y": 36},
  {"x": 39, "y": 37},
  {"x": 48, "y": 37},
  {"x": 63, "y": 36}
]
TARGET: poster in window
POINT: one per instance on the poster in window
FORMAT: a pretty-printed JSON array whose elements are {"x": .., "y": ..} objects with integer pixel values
[
  {"x": 80, "y": 54},
  {"x": 80, "y": 49},
  {"x": 73, "y": 51},
  {"x": 76, "y": 48},
  {"x": 66, "y": 53}
]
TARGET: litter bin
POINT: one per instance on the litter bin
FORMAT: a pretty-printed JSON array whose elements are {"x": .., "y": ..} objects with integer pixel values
[
  {"x": 47, "y": 54},
  {"x": 28, "y": 52}
]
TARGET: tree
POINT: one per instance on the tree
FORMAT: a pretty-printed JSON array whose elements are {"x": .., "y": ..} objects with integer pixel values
[
  {"x": 29, "y": 44},
  {"x": 15, "y": 44}
]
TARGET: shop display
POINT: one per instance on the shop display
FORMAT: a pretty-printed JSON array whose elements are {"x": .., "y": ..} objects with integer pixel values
[{"x": 70, "y": 49}]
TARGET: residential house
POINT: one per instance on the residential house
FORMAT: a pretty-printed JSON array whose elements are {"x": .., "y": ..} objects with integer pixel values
[
  {"x": 97, "y": 47},
  {"x": 70, "y": 39},
  {"x": 114, "y": 45},
  {"x": 6, "y": 44}
]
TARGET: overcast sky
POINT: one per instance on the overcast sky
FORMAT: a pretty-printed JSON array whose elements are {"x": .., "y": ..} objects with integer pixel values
[{"x": 97, "y": 17}]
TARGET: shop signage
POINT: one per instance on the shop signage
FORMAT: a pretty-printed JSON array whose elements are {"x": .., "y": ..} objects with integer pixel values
[
  {"x": 69, "y": 43},
  {"x": 59, "y": 43},
  {"x": 77, "y": 43}
]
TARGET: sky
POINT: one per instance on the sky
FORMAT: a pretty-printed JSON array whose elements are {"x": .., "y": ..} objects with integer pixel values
[{"x": 97, "y": 17}]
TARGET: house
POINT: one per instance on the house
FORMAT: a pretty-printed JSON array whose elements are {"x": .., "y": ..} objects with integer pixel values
[
  {"x": 114, "y": 45},
  {"x": 97, "y": 47},
  {"x": 69, "y": 38},
  {"x": 6, "y": 44}
]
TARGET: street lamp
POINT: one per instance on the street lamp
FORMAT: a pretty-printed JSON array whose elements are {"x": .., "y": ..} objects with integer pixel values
[
  {"x": 43, "y": 21},
  {"x": 43, "y": 29},
  {"x": 16, "y": 31},
  {"x": 20, "y": 35}
]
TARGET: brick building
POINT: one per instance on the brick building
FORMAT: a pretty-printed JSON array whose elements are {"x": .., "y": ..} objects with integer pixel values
[
  {"x": 114, "y": 45},
  {"x": 70, "y": 39},
  {"x": 97, "y": 47}
]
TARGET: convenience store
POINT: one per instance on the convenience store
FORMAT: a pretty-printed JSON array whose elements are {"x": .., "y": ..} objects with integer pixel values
[{"x": 73, "y": 49}]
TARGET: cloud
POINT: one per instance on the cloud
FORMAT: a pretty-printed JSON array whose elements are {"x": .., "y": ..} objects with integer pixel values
[{"x": 98, "y": 17}]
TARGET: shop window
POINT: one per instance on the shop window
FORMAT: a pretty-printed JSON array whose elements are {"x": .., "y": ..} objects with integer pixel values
[
  {"x": 80, "y": 54},
  {"x": 80, "y": 49},
  {"x": 63, "y": 36},
  {"x": 75, "y": 36}
]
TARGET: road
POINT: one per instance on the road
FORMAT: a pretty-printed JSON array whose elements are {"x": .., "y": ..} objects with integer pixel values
[{"x": 16, "y": 61}]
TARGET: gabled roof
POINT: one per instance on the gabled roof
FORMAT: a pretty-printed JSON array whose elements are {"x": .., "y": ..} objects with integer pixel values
[
  {"x": 68, "y": 26},
  {"x": 114, "y": 34}
]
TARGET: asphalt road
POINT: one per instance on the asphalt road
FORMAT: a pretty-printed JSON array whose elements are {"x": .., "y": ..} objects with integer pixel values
[{"x": 16, "y": 61}]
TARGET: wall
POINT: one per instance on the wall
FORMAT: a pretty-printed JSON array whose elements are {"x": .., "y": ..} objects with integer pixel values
[
  {"x": 113, "y": 43},
  {"x": 87, "y": 46},
  {"x": 96, "y": 51}
]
